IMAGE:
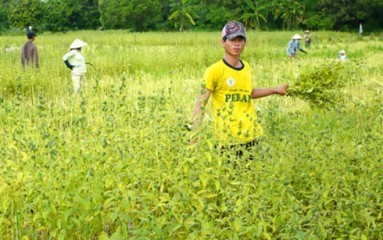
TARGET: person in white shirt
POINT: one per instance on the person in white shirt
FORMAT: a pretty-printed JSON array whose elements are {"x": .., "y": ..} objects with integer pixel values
[
  {"x": 75, "y": 61},
  {"x": 342, "y": 55}
]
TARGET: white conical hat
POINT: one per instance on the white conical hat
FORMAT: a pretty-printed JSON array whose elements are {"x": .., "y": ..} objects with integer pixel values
[
  {"x": 342, "y": 51},
  {"x": 77, "y": 43},
  {"x": 297, "y": 37}
]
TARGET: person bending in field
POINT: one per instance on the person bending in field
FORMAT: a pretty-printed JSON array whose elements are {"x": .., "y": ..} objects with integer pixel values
[
  {"x": 75, "y": 61},
  {"x": 29, "y": 52},
  {"x": 294, "y": 47},
  {"x": 228, "y": 82}
]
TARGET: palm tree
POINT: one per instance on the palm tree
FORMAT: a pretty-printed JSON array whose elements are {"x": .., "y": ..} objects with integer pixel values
[
  {"x": 290, "y": 12},
  {"x": 253, "y": 14},
  {"x": 182, "y": 12}
]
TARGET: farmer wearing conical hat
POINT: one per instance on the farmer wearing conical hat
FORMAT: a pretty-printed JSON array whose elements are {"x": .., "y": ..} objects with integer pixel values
[
  {"x": 75, "y": 61},
  {"x": 294, "y": 47}
]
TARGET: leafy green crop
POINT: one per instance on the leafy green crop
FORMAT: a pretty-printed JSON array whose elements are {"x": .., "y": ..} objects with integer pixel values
[{"x": 322, "y": 86}]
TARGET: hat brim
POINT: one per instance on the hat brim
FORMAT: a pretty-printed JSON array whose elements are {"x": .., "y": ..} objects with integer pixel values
[
  {"x": 235, "y": 35},
  {"x": 78, "y": 44}
]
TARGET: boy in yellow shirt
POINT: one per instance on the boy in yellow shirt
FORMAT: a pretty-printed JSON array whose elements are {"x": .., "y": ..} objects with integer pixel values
[{"x": 228, "y": 81}]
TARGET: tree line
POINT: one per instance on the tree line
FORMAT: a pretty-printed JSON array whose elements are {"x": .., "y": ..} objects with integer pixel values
[{"x": 180, "y": 15}]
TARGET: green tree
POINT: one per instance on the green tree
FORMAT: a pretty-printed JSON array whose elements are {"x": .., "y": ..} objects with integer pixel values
[
  {"x": 71, "y": 15},
  {"x": 254, "y": 12},
  {"x": 291, "y": 12},
  {"x": 57, "y": 18},
  {"x": 216, "y": 13},
  {"x": 182, "y": 12},
  {"x": 144, "y": 15},
  {"x": 315, "y": 17},
  {"x": 4, "y": 6},
  {"x": 136, "y": 15},
  {"x": 343, "y": 15},
  {"x": 369, "y": 13},
  {"x": 348, "y": 14},
  {"x": 113, "y": 13},
  {"x": 24, "y": 13}
]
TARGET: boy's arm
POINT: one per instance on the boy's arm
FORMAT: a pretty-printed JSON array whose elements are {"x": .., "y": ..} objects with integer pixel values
[
  {"x": 263, "y": 92},
  {"x": 199, "y": 108}
]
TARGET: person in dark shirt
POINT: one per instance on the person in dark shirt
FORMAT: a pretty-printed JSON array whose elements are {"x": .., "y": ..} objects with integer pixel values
[{"x": 307, "y": 38}]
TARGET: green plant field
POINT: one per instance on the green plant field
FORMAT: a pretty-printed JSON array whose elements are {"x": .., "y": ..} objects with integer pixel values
[{"x": 115, "y": 162}]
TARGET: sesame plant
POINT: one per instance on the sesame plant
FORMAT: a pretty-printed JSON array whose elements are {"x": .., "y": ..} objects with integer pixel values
[
  {"x": 115, "y": 162},
  {"x": 322, "y": 87}
]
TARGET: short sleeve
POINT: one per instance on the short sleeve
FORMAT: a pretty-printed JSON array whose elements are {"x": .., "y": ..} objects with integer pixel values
[{"x": 209, "y": 79}]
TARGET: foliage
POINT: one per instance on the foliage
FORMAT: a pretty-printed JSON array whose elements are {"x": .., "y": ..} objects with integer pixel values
[
  {"x": 319, "y": 22},
  {"x": 71, "y": 15},
  {"x": 182, "y": 13},
  {"x": 111, "y": 14},
  {"x": 291, "y": 13},
  {"x": 136, "y": 15},
  {"x": 322, "y": 86},
  {"x": 57, "y": 15},
  {"x": 337, "y": 15},
  {"x": 253, "y": 14},
  {"x": 4, "y": 6},
  {"x": 217, "y": 16},
  {"x": 25, "y": 13}
]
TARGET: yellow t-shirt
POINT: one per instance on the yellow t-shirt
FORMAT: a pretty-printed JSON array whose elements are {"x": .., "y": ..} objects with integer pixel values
[{"x": 235, "y": 119}]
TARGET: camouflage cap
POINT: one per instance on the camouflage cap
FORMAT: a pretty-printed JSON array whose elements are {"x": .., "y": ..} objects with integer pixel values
[{"x": 232, "y": 30}]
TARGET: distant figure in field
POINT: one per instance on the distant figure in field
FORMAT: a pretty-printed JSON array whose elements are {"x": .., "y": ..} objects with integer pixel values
[
  {"x": 75, "y": 61},
  {"x": 307, "y": 38},
  {"x": 294, "y": 47},
  {"x": 342, "y": 55},
  {"x": 29, "y": 52}
]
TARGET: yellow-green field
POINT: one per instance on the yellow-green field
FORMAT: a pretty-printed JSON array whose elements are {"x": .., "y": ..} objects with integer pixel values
[{"x": 115, "y": 162}]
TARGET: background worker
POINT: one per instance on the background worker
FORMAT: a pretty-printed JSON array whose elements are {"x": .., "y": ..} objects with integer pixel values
[
  {"x": 294, "y": 47},
  {"x": 342, "y": 55},
  {"x": 229, "y": 83},
  {"x": 75, "y": 61},
  {"x": 29, "y": 52},
  {"x": 307, "y": 38}
]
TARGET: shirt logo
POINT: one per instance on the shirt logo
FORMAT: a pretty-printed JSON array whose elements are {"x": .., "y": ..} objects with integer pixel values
[{"x": 230, "y": 82}]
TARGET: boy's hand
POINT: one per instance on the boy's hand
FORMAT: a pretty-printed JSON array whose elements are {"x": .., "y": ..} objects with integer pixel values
[
  {"x": 282, "y": 89},
  {"x": 193, "y": 141}
]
